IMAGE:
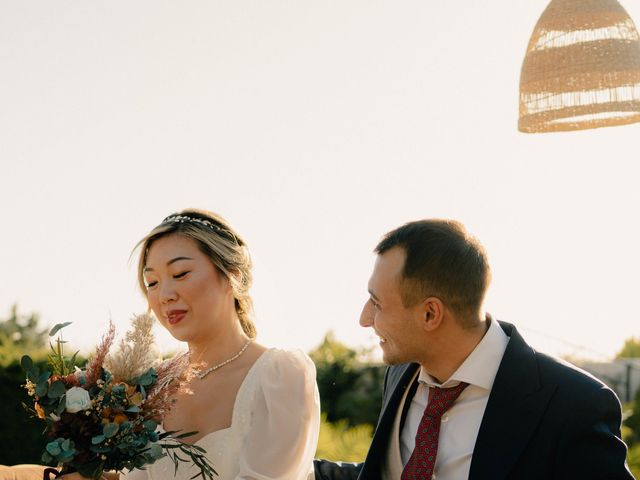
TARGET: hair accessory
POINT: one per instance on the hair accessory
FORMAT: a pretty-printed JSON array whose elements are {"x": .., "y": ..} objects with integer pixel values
[{"x": 185, "y": 218}]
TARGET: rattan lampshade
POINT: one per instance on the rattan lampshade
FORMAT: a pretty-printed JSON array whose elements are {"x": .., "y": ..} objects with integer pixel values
[{"x": 582, "y": 68}]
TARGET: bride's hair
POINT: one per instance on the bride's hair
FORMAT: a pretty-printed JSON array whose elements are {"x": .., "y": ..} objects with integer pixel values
[{"x": 218, "y": 241}]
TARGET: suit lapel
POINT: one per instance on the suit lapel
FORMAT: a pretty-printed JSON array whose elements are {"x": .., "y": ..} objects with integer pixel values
[
  {"x": 398, "y": 381},
  {"x": 515, "y": 407}
]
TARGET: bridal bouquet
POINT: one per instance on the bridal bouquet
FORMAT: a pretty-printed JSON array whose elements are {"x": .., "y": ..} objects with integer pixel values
[{"x": 105, "y": 416}]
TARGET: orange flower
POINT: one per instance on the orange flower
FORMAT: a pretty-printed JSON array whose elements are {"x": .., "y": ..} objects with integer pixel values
[
  {"x": 120, "y": 418},
  {"x": 39, "y": 410}
]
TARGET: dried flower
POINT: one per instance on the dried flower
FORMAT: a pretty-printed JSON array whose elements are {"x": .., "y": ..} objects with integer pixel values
[
  {"x": 94, "y": 369},
  {"x": 136, "y": 353},
  {"x": 31, "y": 388}
]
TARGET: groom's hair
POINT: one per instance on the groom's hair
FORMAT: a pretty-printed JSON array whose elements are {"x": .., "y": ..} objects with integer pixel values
[{"x": 442, "y": 260}]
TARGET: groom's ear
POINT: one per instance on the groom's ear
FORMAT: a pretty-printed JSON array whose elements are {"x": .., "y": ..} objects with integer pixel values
[{"x": 432, "y": 311}]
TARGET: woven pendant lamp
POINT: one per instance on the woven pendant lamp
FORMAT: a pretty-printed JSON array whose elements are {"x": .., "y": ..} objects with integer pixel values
[{"x": 582, "y": 68}]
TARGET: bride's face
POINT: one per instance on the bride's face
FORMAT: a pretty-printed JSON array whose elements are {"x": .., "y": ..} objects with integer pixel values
[{"x": 185, "y": 290}]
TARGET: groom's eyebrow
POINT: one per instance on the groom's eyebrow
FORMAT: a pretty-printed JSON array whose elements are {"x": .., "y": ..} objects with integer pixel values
[{"x": 373, "y": 295}]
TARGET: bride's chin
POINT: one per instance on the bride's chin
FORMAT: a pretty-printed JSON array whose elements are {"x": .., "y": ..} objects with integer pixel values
[{"x": 180, "y": 334}]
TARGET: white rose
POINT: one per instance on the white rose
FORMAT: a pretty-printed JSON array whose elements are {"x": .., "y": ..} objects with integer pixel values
[{"x": 77, "y": 399}]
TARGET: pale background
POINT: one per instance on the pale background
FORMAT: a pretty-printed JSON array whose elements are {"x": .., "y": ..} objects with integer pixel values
[{"x": 314, "y": 127}]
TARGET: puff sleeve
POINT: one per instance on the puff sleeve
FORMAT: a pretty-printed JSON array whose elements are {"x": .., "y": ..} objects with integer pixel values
[{"x": 285, "y": 423}]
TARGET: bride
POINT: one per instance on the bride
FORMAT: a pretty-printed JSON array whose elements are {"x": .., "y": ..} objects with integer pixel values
[{"x": 256, "y": 409}]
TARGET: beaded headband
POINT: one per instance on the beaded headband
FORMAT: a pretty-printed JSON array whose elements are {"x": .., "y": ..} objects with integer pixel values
[
  {"x": 216, "y": 228},
  {"x": 185, "y": 218}
]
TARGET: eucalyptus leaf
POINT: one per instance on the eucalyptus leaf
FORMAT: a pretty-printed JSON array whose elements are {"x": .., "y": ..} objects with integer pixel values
[
  {"x": 145, "y": 380},
  {"x": 41, "y": 390},
  {"x": 26, "y": 363},
  {"x": 56, "y": 389},
  {"x": 53, "y": 448},
  {"x": 110, "y": 429},
  {"x": 66, "y": 456},
  {"x": 62, "y": 405},
  {"x": 150, "y": 425},
  {"x": 97, "y": 439},
  {"x": 67, "y": 445},
  {"x": 57, "y": 327},
  {"x": 133, "y": 409}
]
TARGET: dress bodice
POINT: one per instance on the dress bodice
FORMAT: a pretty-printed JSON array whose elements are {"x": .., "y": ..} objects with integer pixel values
[{"x": 274, "y": 426}]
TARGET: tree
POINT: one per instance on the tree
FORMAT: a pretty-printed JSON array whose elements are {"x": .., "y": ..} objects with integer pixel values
[
  {"x": 630, "y": 349},
  {"x": 350, "y": 386},
  {"x": 19, "y": 335}
]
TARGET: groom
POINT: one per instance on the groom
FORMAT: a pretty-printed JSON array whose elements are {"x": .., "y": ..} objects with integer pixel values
[{"x": 465, "y": 396}]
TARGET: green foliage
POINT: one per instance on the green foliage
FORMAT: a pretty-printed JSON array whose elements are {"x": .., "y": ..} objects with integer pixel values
[
  {"x": 20, "y": 334},
  {"x": 630, "y": 349},
  {"x": 631, "y": 436},
  {"x": 350, "y": 387},
  {"x": 340, "y": 442},
  {"x": 633, "y": 459},
  {"x": 59, "y": 363},
  {"x": 25, "y": 434},
  {"x": 632, "y": 423}
]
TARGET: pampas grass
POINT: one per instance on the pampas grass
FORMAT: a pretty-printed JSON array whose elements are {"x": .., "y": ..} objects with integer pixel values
[{"x": 136, "y": 352}]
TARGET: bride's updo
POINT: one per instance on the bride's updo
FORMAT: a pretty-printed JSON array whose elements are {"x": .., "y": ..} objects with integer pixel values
[{"x": 218, "y": 241}]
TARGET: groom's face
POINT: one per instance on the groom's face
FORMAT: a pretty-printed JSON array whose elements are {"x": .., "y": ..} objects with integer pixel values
[{"x": 385, "y": 312}]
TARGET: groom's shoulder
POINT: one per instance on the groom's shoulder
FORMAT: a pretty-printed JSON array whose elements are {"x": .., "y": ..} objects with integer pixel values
[
  {"x": 567, "y": 374},
  {"x": 552, "y": 369}
]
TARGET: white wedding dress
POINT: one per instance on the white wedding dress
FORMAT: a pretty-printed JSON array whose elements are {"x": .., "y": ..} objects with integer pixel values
[{"x": 274, "y": 426}]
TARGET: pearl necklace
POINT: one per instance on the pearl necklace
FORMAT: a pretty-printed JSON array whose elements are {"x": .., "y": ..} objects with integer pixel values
[{"x": 201, "y": 375}]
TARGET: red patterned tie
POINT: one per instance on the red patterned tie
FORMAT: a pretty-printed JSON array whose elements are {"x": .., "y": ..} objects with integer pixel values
[{"x": 423, "y": 458}]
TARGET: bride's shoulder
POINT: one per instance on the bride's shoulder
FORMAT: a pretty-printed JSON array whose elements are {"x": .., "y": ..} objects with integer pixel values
[{"x": 286, "y": 365}]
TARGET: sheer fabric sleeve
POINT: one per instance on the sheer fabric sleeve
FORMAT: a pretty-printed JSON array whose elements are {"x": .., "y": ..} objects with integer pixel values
[{"x": 285, "y": 424}]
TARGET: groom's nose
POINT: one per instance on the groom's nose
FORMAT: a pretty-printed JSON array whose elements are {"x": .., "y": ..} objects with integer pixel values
[{"x": 366, "y": 316}]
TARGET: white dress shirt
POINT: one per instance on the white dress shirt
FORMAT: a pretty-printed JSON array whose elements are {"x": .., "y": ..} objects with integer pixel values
[{"x": 461, "y": 423}]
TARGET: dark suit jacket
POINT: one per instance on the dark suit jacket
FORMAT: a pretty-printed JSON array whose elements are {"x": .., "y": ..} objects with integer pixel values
[{"x": 545, "y": 419}]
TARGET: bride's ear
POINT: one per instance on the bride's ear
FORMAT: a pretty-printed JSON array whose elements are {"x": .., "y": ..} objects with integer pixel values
[{"x": 234, "y": 277}]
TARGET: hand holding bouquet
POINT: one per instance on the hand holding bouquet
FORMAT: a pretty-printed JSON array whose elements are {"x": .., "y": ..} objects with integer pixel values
[{"x": 105, "y": 417}]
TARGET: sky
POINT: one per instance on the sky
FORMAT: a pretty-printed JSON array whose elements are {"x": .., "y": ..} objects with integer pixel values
[{"x": 314, "y": 128}]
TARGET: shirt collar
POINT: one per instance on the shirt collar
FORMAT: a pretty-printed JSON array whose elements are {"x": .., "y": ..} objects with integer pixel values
[{"x": 481, "y": 366}]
